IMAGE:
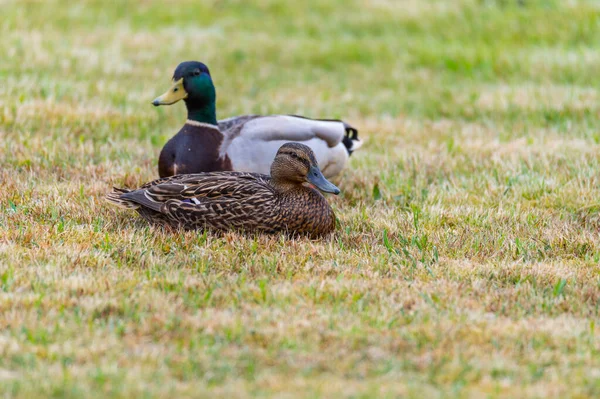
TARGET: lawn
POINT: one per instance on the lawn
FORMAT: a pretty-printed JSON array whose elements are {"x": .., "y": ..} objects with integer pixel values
[{"x": 466, "y": 260}]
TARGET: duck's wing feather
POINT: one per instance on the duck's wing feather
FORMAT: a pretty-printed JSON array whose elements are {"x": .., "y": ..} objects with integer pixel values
[
  {"x": 221, "y": 213},
  {"x": 229, "y": 186},
  {"x": 284, "y": 127},
  {"x": 218, "y": 199},
  {"x": 229, "y": 125}
]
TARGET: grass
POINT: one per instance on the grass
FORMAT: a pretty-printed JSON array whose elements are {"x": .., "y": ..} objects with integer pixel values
[{"x": 466, "y": 263}]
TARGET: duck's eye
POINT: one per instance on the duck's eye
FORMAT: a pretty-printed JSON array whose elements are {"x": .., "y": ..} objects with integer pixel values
[
  {"x": 197, "y": 72},
  {"x": 176, "y": 89}
]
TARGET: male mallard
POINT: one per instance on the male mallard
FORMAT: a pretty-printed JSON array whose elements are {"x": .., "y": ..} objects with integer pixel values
[
  {"x": 241, "y": 200},
  {"x": 245, "y": 143}
]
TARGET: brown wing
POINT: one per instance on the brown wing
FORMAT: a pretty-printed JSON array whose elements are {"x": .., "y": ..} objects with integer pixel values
[
  {"x": 213, "y": 184},
  {"x": 220, "y": 200},
  {"x": 221, "y": 213}
]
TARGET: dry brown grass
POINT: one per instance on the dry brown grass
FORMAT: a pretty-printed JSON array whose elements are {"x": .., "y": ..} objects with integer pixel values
[{"x": 466, "y": 260}]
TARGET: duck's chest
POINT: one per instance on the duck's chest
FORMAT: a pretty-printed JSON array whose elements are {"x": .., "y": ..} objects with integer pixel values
[
  {"x": 307, "y": 214},
  {"x": 193, "y": 150}
]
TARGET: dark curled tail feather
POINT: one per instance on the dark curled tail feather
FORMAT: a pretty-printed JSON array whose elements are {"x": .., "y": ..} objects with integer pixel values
[{"x": 351, "y": 140}]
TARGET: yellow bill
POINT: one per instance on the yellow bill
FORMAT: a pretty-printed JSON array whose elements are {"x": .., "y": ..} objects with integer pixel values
[{"x": 174, "y": 94}]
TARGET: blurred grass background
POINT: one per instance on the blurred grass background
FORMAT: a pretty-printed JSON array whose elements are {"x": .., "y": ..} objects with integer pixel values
[{"x": 466, "y": 263}]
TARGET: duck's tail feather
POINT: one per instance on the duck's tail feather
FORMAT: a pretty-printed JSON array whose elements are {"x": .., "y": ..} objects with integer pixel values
[
  {"x": 351, "y": 140},
  {"x": 116, "y": 198}
]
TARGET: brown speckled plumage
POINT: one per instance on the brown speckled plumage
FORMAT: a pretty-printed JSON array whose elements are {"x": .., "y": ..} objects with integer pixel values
[{"x": 238, "y": 200}]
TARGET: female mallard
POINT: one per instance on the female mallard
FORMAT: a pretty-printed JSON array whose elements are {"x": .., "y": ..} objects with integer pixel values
[
  {"x": 241, "y": 200},
  {"x": 245, "y": 143}
]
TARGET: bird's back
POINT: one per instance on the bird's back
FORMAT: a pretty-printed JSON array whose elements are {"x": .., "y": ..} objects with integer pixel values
[{"x": 229, "y": 200}]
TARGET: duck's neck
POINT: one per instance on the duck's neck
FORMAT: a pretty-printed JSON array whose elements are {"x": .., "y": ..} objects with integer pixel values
[
  {"x": 205, "y": 113},
  {"x": 293, "y": 190},
  {"x": 288, "y": 189}
]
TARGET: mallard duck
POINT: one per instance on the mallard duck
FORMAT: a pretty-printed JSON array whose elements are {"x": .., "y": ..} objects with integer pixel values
[
  {"x": 241, "y": 200},
  {"x": 244, "y": 143}
]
